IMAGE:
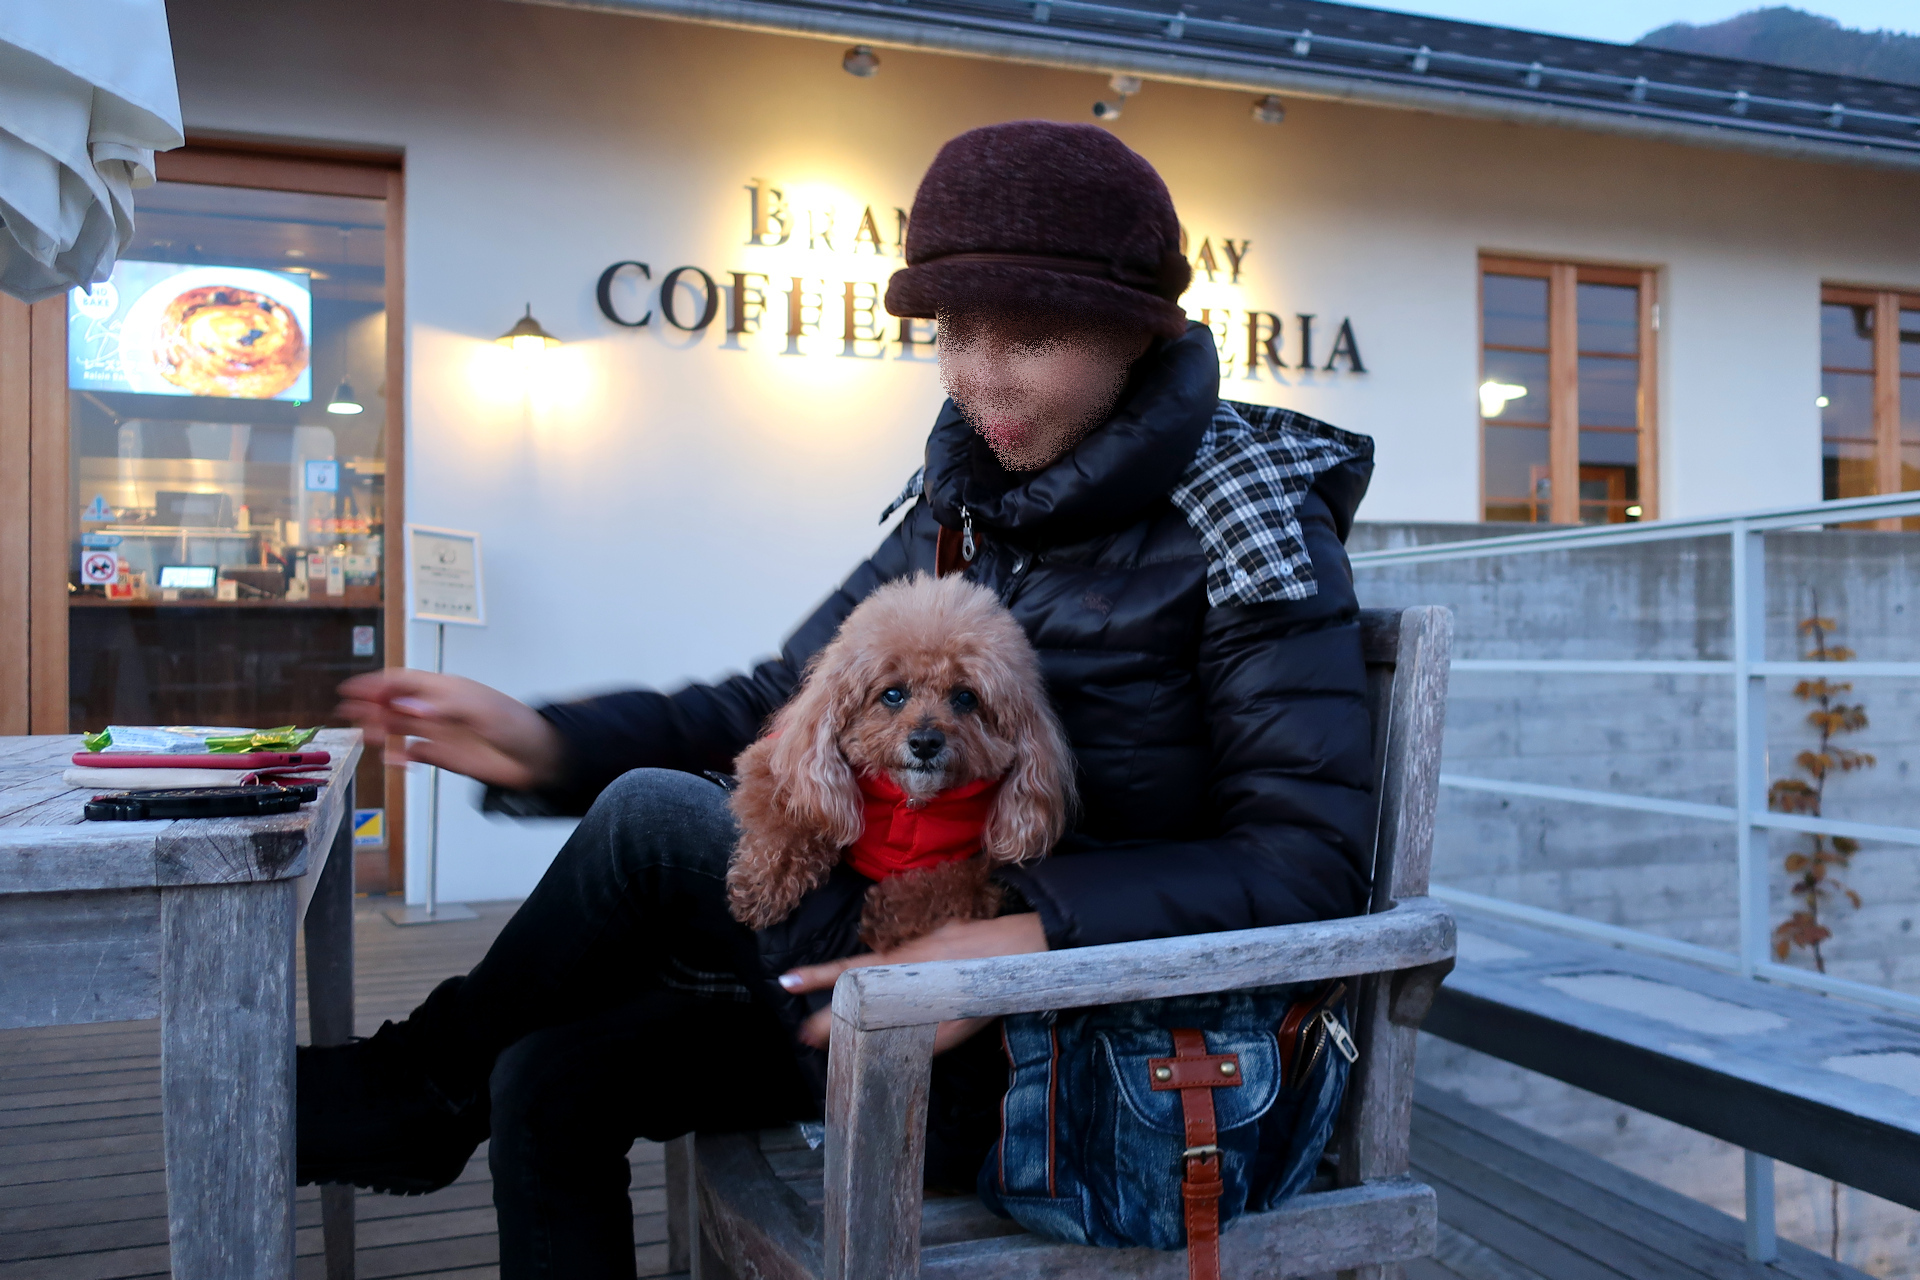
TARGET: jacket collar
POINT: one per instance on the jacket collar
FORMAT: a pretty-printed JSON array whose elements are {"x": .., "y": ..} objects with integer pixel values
[{"x": 1106, "y": 482}]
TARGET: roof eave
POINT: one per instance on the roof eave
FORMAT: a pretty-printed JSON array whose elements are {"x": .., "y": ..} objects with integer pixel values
[{"x": 1077, "y": 51}]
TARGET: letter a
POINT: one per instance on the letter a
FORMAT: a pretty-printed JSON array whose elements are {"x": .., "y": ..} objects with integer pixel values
[{"x": 1344, "y": 345}]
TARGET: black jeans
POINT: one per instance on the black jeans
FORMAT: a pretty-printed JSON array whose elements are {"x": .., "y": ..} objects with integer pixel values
[{"x": 584, "y": 1046}]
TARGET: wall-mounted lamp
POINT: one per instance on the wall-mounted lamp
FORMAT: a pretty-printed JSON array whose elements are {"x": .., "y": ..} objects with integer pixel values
[
  {"x": 1123, "y": 86},
  {"x": 860, "y": 61},
  {"x": 527, "y": 337},
  {"x": 1269, "y": 110},
  {"x": 344, "y": 401}
]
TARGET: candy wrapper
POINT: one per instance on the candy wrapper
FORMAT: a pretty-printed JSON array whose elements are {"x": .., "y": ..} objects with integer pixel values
[{"x": 176, "y": 739}]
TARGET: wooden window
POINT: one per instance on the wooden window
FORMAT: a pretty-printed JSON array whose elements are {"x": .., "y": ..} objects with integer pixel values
[
  {"x": 1869, "y": 393},
  {"x": 1567, "y": 392}
]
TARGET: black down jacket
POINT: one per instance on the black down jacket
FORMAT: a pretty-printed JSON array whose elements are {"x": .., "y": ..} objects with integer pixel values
[{"x": 1224, "y": 752}]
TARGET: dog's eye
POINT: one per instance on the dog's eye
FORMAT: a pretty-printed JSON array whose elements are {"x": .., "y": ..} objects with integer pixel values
[
  {"x": 894, "y": 697},
  {"x": 964, "y": 700}
]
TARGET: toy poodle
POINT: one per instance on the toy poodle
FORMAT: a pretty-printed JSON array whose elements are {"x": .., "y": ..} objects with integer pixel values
[{"x": 920, "y": 747}]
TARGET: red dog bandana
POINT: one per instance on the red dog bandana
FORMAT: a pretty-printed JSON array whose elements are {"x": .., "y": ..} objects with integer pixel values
[{"x": 900, "y": 836}]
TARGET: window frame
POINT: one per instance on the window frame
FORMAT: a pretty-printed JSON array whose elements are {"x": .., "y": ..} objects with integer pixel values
[
  {"x": 1887, "y": 305},
  {"x": 1563, "y": 374}
]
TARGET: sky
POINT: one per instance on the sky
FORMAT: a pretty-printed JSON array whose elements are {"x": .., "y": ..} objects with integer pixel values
[{"x": 1624, "y": 21}]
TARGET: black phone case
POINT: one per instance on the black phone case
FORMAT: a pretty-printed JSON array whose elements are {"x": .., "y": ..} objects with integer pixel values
[{"x": 197, "y": 802}]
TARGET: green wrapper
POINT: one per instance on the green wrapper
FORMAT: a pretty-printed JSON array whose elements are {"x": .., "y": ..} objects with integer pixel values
[
  {"x": 284, "y": 738},
  {"x": 160, "y": 742}
]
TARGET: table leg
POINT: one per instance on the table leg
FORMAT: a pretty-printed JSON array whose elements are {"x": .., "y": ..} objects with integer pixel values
[
  {"x": 329, "y": 930},
  {"x": 226, "y": 1078}
]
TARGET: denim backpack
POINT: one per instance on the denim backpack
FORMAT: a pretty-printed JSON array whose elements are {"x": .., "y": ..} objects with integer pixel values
[{"x": 1157, "y": 1123}]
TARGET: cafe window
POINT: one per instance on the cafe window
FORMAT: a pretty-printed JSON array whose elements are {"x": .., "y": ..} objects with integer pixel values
[
  {"x": 1567, "y": 392},
  {"x": 1869, "y": 393},
  {"x": 233, "y": 431}
]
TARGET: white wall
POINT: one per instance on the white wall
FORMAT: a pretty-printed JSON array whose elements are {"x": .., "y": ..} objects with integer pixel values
[{"x": 658, "y": 507}]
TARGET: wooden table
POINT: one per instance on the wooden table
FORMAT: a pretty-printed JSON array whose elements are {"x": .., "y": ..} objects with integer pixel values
[{"x": 192, "y": 922}]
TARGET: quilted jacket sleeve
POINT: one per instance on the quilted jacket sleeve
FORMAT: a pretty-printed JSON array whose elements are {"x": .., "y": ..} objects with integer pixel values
[
  {"x": 1291, "y": 783},
  {"x": 701, "y": 726}
]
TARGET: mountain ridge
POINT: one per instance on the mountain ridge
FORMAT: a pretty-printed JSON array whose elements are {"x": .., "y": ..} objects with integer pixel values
[{"x": 1787, "y": 37}]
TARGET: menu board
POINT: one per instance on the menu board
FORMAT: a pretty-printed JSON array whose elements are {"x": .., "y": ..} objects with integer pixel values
[
  {"x": 443, "y": 572},
  {"x": 174, "y": 329}
]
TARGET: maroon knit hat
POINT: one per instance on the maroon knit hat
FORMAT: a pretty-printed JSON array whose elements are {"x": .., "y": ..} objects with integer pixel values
[{"x": 1037, "y": 216}]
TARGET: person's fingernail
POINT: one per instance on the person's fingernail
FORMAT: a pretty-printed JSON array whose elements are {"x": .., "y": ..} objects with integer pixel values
[
  {"x": 413, "y": 706},
  {"x": 791, "y": 981}
]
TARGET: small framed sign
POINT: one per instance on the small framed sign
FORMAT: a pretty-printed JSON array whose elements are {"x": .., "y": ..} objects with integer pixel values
[
  {"x": 443, "y": 576},
  {"x": 323, "y": 475}
]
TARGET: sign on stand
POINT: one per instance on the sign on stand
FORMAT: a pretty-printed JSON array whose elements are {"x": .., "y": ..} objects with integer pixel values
[
  {"x": 443, "y": 577},
  {"x": 443, "y": 586}
]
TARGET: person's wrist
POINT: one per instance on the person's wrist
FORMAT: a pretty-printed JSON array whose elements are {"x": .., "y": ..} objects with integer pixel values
[{"x": 539, "y": 748}]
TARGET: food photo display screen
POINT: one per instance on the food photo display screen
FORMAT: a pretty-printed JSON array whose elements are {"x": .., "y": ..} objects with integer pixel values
[{"x": 175, "y": 329}]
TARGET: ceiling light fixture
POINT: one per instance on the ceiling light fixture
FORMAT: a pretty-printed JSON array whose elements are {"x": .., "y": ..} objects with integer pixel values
[
  {"x": 344, "y": 401},
  {"x": 860, "y": 61},
  {"x": 1124, "y": 87},
  {"x": 1269, "y": 110},
  {"x": 527, "y": 337}
]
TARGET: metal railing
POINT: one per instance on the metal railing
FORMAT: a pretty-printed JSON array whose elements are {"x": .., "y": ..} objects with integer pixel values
[{"x": 1748, "y": 670}]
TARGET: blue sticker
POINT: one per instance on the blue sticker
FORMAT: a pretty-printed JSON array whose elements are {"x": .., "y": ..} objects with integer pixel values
[
  {"x": 97, "y": 509},
  {"x": 323, "y": 476},
  {"x": 99, "y": 539}
]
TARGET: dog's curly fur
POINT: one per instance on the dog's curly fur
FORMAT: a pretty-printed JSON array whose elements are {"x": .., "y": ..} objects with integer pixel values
[{"x": 798, "y": 805}]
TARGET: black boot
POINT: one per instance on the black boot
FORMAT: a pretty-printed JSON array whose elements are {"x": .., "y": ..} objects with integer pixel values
[{"x": 388, "y": 1113}]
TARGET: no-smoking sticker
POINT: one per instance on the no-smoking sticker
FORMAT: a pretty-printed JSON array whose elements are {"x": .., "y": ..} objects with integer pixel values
[{"x": 99, "y": 568}]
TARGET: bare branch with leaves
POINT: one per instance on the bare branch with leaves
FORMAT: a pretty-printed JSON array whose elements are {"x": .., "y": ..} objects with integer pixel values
[{"x": 1814, "y": 884}]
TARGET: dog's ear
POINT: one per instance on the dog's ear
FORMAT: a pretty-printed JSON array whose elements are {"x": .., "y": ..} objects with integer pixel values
[
  {"x": 774, "y": 863},
  {"x": 814, "y": 783},
  {"x": 1037, "y": 796}
]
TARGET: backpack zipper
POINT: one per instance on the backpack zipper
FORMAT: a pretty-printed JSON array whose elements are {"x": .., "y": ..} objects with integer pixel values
[
  {"x": 1321, "y": 1025},
  {"x": 967, "y": 547}
]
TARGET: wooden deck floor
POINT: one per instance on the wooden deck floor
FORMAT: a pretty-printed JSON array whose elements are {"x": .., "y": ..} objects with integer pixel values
[{"x": 82, "y": 1193}]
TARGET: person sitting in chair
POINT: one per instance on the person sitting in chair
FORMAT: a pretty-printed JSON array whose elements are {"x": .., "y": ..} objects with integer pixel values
[{"x": 1176, "y": 561}]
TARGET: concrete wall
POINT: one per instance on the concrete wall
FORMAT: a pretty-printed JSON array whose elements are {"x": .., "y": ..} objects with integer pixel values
[
  {"x": 1669, "y": 736},
  {"x": 658, "y": 506}
]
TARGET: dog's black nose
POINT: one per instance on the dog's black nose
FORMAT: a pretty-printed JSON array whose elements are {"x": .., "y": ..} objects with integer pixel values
[{"x": 926, "y": 743}]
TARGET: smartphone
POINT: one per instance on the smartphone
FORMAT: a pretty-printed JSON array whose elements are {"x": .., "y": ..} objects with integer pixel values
[
  {"x": 197, "y": 802},
  {"x": 187, "y": 760}
]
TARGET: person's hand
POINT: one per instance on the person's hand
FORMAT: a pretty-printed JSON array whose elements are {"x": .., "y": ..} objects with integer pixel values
[
  {"x": 455, "y": 723},
  {"x": 963, "y": 940}
]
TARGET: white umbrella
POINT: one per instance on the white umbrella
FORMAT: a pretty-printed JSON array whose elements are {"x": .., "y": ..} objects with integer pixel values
[{"x": 87, "y": 96}]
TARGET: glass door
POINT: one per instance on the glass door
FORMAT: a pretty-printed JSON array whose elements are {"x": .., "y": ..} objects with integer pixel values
[{"x": 229, "y": 458}]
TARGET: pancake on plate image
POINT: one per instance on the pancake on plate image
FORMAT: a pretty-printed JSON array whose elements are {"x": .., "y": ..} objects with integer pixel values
[{"x": 221, "y": 340}]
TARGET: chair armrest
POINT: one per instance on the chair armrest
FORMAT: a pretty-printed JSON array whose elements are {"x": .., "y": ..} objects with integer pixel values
[{"x": 1414, "y": 933}]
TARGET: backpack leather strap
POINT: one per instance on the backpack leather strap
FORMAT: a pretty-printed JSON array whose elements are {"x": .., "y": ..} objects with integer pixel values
[{"x": 1196, "y": 1074}]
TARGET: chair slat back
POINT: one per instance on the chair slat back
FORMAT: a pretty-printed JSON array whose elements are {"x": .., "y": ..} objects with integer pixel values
[{"x": 1408, "y": 653}]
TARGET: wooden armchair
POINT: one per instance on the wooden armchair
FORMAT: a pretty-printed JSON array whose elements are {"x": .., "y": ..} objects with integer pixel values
[{"x": 754, "y": 1206}]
